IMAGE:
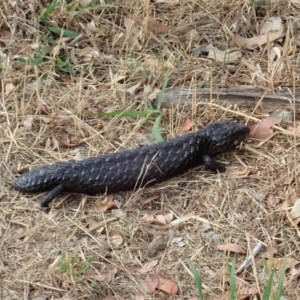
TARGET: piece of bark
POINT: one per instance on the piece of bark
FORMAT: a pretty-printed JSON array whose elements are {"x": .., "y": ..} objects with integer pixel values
[{"x": 246, "y": 97}]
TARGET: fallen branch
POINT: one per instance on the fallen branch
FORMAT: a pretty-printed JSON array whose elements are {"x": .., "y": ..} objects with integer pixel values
[{"x": 246, "y": 97}]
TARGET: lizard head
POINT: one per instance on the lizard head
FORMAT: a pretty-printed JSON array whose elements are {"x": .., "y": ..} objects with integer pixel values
[{"x": 225, "y": 135}]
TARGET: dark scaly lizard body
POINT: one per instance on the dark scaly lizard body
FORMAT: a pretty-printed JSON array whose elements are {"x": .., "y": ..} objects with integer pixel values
[{"x": 131, "y": 169}]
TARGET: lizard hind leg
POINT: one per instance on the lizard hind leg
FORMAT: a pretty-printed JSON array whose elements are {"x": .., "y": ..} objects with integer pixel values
[{"x": 51, "y": 195}]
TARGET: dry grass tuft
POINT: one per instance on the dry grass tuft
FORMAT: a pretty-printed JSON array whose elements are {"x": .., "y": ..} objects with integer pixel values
[{"x": 114, "y": 55}]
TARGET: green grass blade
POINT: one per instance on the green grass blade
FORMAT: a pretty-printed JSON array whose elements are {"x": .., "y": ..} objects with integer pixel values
[
  {"x": 203, "y": 83},
  {"x": 279, "y": 291},
  {"x": 268, "y": 289},
  {"x": 64, "y": 32},
  {"x": 232, "y": 283},
  {"x": 155, "y": 129},
  {"x": 161, "y": 94},
  {"x": 197, "y": 279},
  {"x": 44, "y": 16}
]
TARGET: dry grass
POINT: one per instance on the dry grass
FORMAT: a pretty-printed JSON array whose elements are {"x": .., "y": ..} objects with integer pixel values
[{"x": 56, "y": 254}]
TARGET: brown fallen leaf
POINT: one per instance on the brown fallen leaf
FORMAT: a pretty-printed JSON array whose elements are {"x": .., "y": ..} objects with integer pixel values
[
  {"x": 223, "y": 296},
  {"x": 164, "y": 219},
  {"x": 152, "y": 24},
  {"x": 64, "y": 139},
  {"x": 9, "y": 88},
  {"x": 5, "y": 34},
  {"x": 192, "y": 35},
  {"x": 130, "y": 25},
  {"x": 152, "y": 283},
  {"x": 159, "y": 219},
  {"x": 19, "y": 233},
  {"x": 148, "y": 200},
  {"x": 273, "y": 24},
  {"x": 116, "y": 240},
  {"x": 224, "y": 56},
  {"x": 162, "y": 284},
  {"x": 109, "y": 276},
  {"x": 272, "y": 200},
  {"x": 109, "y": 297},
  {"x": 278, "y": 262},
  {"x": 159, "y": 243},
  {"x": 28, "y": 122},
  {"x": 139, "y": 296},
  {"x": 148, "y": 266},
  {"x": 294, "y": 269},
  {"x": 263, "y": 130},
  {"x": 155, "y": 65},
  {"x": 232, "y": 248},
  {"x": 258, "y": 40},
  {"x": 167, "y": 286},
  {"x": 185, "y": 126},
  {"x": 106, "y": 204}
]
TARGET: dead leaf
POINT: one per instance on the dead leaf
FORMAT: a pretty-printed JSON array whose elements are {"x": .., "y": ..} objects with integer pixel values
[
  {"x": 159, "y": 243},
  {"x": 116, "y": 240},
  {"x": 150, "y": 94},
  {"x": 46, "y": 120},
  {"x": 88, "y": 54},
  {"x": 263, "y": 130},
  {"x": 224, "y": 296},
  {"x": 192, "y": 35},
  {"x": 162, "y": 284},
  {"x": 152, "y": 24},
  {"x": 92, "y": 27},
  {"x": 272, "y": 200},
  {"x": 5, "y": 34},
  {"x": 139, "y": 296},
  {"x": 148, "y": 200},
  {"x": 277, "y": 262},
  {"x": 272, "y": 25},
  {"x": 185, "y": 127},
  {"x": 258, "y": 40},
  {"x": 164, "y": 219},
  {"x": 130, "y": 25},
  {"x": 98, "y": 277},
  {"x": 106, "y": 204},
  {"x": 131, "y": 40},
  {"x": 64, "y": 139},
  {"x": 28, "y": 122},
  {"x": 295, "y": 212},
  {"x": 160, "y": 219},
  {"x": 224, "y": 56},
  {"x": 47, "y": 144},
  {"x": 9, "y": 88},
  {"x": 155, "y": 65},
  {"x": 19, "y": 233},
  {"x": 167, "y": 286},
  {"x": 131, "y": 90},
  {"x": 42, "y": 297},
  {"x": 232, "y": 248},
  {"x": 294, "y": 269},
  {"x": 269, "y": 253},
  {"x": 148, "y": 266},
  {"x": 152, "y": 283},
  {"x": 148, "y": 218}
]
